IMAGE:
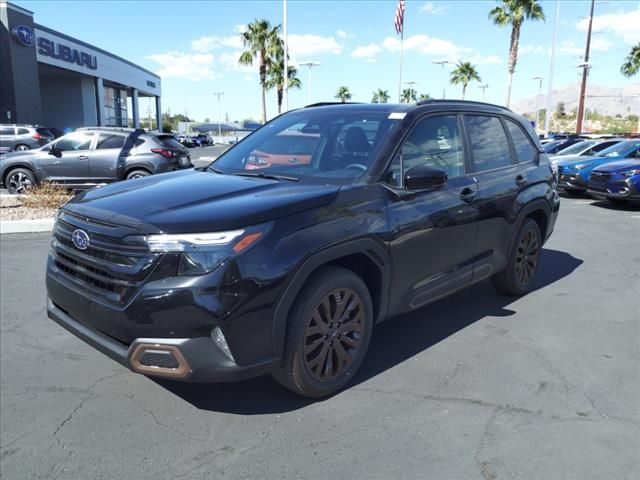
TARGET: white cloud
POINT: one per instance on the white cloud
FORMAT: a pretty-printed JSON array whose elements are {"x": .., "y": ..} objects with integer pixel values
[
  {"x": 432, "y": 8},
  {"x": 478, "y": 59},
  {"x": 229, "y": 60},
  {"x": 623, "y": 24},
  {"x": 344, "y": 35},
  {"x": 426, "y": 45},
  {"x": 308, "y": 44},
  {"x": 207, "y": 44},
  {"x": 195, "y": 67},
  {"x": 368, "y": 51},
  {"x": 598, "y": 44}
]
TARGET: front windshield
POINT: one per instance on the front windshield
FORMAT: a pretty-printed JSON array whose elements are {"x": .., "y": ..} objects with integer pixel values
[
  {"x": 329, "y": 145},
  {"x": 618, "y": 150},
  {"x": 577, "y": 148}
]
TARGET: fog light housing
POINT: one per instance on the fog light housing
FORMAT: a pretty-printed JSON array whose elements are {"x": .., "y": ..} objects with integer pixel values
[
  {"x": 159, "y": 360},
  {"x": 221, "y": 342}
]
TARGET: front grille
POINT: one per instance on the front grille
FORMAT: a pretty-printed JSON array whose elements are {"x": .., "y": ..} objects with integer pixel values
[
  {"x": 113, "y": 266},
  {"x": 601, "y": 178}
]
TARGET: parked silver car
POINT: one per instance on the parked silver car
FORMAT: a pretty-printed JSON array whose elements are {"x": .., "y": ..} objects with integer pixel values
[{"x": 23, "y": 137}]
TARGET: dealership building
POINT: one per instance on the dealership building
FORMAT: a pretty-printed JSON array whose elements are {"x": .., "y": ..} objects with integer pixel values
[{"x": 49, "y": 78}]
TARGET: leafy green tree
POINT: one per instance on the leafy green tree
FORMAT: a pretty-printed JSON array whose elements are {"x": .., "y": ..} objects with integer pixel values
[
  {"x": 275, "y": 73},
  {"x": 260, "y": 39},
  {"x": 343, "y": 94},
  {"x": 514, "y": 13},
  {"x": 380, "y": 96},
  {"x": 424, "y": 96},
  {"x": 408, "y": 95},
  {"x": 631, "y": 66},
  {"x": 464, "y": 73}
]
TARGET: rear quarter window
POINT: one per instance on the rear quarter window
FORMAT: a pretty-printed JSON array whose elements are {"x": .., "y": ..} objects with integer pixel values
[
  {"x": 525, "y": 151},
  {"x": 44, "y": 132},
  {"x": 23, "y": 131}
]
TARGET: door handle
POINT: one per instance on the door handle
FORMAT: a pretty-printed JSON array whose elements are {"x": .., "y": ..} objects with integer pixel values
[
  {"x": 520, "y": 180},
  {"x": 467, "y": 195},
  {"x": 82, "y": 157}
]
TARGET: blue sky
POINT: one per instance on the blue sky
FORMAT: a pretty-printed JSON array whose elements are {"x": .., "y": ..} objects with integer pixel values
[{"x": 194, "y": 46}]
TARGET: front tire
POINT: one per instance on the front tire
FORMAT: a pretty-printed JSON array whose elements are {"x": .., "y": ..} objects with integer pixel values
[
  {"x": 517, "y": 278},
  {"x": 328, "y": 333},
  {"x": 20, "y": 180}
]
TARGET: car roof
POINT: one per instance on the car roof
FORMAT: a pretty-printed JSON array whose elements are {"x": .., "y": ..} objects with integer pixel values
[{"x": 407, "y": 107}]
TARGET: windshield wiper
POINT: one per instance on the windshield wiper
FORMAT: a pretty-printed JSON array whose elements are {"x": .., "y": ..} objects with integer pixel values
[
  {"x": 266, "y": 175},
  {"x": 215, "y": 170}
]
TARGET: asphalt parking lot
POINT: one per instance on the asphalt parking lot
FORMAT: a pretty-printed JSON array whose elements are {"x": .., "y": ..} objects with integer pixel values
[{"x": 475, "y": 386}]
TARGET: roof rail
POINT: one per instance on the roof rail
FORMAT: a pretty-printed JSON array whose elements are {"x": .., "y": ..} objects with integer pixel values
[
  {"x": 463, "y": 102},
  {"x": 113, "y": 129},
  {"x": 323, "y": 104}
]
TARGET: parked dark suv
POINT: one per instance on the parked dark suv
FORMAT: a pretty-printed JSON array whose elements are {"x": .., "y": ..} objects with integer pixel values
[
  {"x": 93, "y": 156},
  {"x": 231, "y": 271}
]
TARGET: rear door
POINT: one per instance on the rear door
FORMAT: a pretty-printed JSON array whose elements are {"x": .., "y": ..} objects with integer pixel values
[
  {"x": 105, "y": 162},
  {"x": 7, "y": 137},
  {"x": 72, "y": 165},
  {"x": 502, "y": 168}
]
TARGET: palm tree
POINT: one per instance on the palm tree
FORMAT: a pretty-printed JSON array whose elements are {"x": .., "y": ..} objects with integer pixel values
[
  {"x": 343, "y": 94},
  {"x": 380, "y": 96},
  {"x": 424, "y": 96},
  {"x": 463, "y": 74},
  {"x": 260, "y": 39},
  {"x": 409, "y": 95},
  {"x": 514, "y": 12},
  {"x": 631, "y": 66},
  {"x": 275, "y": 73}
]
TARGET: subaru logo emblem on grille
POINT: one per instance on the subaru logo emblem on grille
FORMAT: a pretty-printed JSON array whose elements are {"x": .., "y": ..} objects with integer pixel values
[{"x": 80, "y": 239}]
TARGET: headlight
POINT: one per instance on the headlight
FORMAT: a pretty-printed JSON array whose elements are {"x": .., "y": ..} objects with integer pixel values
[
  {"x": 631, "y": 173},
  {"x": 204, "y": 252},
  {"x": 582, "y": 166}
]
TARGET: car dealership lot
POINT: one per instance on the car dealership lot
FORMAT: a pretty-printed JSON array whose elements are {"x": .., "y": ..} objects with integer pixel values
[{"x": 474, "y": 386}]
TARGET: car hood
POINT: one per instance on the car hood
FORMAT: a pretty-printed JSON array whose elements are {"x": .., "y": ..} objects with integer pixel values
[
  {"x": 595, "y": 160},
  {"x": 556, "y": 159},
  {"x": 619, "y": 166},
  {"x": 192, "y": 201}
]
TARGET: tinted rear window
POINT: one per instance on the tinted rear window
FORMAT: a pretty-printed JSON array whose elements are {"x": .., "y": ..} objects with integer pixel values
[
  {"x": 44, "y": 132},
  {"x": 168, "y": 141},
  {"x": 108, "y": 140},
  {"x": 23, "y": 131},
  {"x": 525, "y": 151},
  {"x": 489, "y": 145}
]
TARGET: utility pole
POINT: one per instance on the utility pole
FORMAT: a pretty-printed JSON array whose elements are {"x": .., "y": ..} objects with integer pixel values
[
  {"x": 442, "y": 63},
  {"x": 309, "y": 65},
  {"x": 286, "y": 56},
  {"x": 219, "y": 94},
  {"x": 483, "y": 87},
  {"x": 585, "y": 72},
  {"x": 552, "y": 66},
  {"x": 539, "y": 78}
]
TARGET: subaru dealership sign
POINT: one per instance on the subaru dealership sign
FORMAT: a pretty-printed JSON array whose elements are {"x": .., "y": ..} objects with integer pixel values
[{"x": 24, "y": 35}]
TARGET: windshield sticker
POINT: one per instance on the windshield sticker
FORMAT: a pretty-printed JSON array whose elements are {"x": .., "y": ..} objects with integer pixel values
[{"x": 397, "y": 115}]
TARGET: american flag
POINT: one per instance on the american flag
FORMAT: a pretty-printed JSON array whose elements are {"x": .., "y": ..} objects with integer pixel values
[{"x": 399, "y": 20}]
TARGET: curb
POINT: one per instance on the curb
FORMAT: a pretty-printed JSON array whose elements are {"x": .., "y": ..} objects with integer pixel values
[{"x": 26, "y": 226}]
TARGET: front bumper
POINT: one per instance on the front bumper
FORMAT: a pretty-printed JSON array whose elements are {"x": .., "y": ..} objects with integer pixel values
[
  {"x": 571, "y": 181},
  {"x": 196, "y": 359}
]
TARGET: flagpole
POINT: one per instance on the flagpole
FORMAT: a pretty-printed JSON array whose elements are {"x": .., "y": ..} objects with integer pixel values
[{"x": 401, "y": 55}]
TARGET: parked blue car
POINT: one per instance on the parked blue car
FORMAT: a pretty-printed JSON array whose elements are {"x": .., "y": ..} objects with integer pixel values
[
  {"x": 573, "y": 176},
  {"x": 618, "y": 182}
]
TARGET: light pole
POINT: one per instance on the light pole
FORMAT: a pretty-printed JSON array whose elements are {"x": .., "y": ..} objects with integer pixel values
[
  {"x": 442, "y": 63},
  {"x": 309, "y": 65},
  {"x": 539, "y": 78},
  {"x": 483, "y": 87},
  {"x": 219, "y": 94}
]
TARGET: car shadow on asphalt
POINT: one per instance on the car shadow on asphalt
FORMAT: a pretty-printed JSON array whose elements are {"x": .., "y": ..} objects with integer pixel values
[
  {"x": 622, "y": 206},
  {"x": 393, "y": 342}
]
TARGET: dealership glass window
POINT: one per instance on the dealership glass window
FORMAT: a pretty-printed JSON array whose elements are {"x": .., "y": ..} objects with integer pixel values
[{"x": 115, "y": 107}]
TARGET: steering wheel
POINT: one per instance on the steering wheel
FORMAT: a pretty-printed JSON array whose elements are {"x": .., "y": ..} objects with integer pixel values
[{"x": 356, "y": 165}]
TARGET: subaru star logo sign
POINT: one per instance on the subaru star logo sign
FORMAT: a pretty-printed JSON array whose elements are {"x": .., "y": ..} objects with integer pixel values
[
  {"x": 24, "y": 35},
  {"x": 80, "y": 239}
]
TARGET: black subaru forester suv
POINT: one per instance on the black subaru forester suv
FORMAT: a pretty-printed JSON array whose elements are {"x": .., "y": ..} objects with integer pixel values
[{"x": 282, "y": 263}]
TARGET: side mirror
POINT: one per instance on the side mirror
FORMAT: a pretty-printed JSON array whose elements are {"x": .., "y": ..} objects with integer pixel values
[
  {"x": 422, "y": 177},
  {"x": 55, "y": 152}
]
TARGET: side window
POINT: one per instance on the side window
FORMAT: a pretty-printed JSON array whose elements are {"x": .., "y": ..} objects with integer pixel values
[
  {"x": 107, "y": 140},
  {"x": 23, "y": 131},
  {"x": 75, "y": 141},
  {"x": 488, "y": 141},
  {"x": 434, "y": 141},
  {"x": 634, "y": 154},
  {"x": 7, "y": 131},
  {"x": 525, "y": 151}
]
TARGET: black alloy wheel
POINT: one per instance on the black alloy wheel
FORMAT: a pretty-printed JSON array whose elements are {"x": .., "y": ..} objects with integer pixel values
[{"x": 527, "y": 256}]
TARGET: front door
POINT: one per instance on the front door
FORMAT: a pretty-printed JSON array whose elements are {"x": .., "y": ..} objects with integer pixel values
[
  {"x": 71, "y": 164},
  {"x": 432, "y": 232}
]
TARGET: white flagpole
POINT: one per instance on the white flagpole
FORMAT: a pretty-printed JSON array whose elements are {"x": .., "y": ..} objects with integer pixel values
[
  {"x": 286, "y": 56},
  {"x": 401, "y": 54}
]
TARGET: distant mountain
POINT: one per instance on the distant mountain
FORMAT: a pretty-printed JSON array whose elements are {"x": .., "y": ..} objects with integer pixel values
[{"x": 605, "y": 100}]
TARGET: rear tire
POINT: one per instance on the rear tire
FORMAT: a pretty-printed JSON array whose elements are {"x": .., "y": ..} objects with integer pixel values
[
  {"x": 139, "y": 173},
  {"x": 21, "y": 148},
  {"x": 19, "y": 180},
  {"x": 328, "y": 333},
  {"x": 517, "y": 278}
]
